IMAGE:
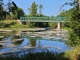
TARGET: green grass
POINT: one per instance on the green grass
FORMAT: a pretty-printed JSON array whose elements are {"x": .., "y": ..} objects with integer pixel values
[
  {"x": 10, "y": 21},
  {"x": 12, "y": 25},
  {"x": 65, "y": 28}
]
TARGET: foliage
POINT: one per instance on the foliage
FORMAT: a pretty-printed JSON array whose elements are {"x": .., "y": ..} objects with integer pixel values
[
  {"x": 40, "y": 10},
  {"x": 37, "y": 56},
  {"x": 74, "y": 35},
  {"x": 10, "y": 11},
  {"x": 2, "y": 12},
  {"x": 16, "y": 11},
  {"x": 33, "y": 9},
  {"x": 7, "y": 23},
  {"x": 74, "y": 23},
  {"x": 52, "y": 25},
  {"x": 73, "y": 54}
]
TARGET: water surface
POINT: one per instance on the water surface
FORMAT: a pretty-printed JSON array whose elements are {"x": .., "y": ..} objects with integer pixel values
[{"x": 32, "y": 41}]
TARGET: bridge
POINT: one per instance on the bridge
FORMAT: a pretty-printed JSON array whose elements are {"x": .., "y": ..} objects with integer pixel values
[{"x": 43, "y": 19}]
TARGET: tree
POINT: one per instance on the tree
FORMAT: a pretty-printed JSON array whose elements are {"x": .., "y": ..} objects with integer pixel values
[
  {"x": 74, "y": 34},
  {"x": 33, "y": 9},
  {"x": 16, "y": 11},
  {"x": 40, "y": 9},
  {"x": 1, "y": 10},
  {"x": 73, "y": 15}
]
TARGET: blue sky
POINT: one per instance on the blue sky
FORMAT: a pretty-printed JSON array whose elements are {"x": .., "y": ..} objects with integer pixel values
[{"x": 51, "y": 7}]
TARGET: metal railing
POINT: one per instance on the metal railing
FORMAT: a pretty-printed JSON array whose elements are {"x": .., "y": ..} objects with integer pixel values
[{"x": 42, "y": 19}]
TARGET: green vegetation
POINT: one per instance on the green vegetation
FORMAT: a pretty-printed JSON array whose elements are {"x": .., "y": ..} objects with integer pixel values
[
  {"x": 68, "y": 55},
  {"x": 73, "y": 54},
  {"x": 12, "y": 24},
  {"x": 10, "y": 11},
  {"x": 8, "y": 21},
  {"x": 74, "y": 25},
  {"x": 37, "y": 56}
]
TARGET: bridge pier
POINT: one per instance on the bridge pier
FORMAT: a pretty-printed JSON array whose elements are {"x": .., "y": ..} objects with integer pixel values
[{"x": 58, "y": 25}]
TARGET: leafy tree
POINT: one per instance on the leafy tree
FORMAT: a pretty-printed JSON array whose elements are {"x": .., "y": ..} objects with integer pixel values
[
  {"x": 40, "y": 10},
  {"x": 74, "y": 34},
  {"x": 16, "y": 11},
  {"x": 1, "y": 10},
  {"x": 52, "y": 25},
  {"x": 33, "y": 9},
  {"x": 74, "y": 24}
]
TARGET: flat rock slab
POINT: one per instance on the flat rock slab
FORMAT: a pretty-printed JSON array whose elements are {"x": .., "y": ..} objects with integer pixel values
[
  {"x": 17, "y": 40},
  {"x": 1, "y": 36}
]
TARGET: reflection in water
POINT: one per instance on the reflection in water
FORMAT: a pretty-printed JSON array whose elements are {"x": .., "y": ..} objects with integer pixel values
[
  {"x": 17, "y": 42},
  {"x": 29, "y": 40},
  {"x": 2, "y": 35},
  {"x": 1, "y": 38},
  {"x": 32, "y": 42},
  {"x": 16, "y": 36},
  {"x": 39, "y": 44},
  {"x": 1, "y": 46}
]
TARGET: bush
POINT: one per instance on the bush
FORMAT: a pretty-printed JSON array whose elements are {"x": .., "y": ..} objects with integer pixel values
[
  {"x": 36, "y": 56},
  {"x": 53, "y": 25},
  {"x": 73, "y": 54}
]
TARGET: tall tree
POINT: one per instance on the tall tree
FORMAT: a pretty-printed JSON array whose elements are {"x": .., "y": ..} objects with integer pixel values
[
  {"x": 74, "y": 34},
  {"x": 40, "y": 9},
  {"x": 74, "y": 17},
  {"x": 33, "y": 9},
  {"x": 1, "y": 9},
  {"x": 16, "y": 11}
]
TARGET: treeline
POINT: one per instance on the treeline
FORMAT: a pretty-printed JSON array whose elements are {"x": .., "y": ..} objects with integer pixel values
[
  {"x": 10, "y": 11},
  {"x": 73, "y": 15}
]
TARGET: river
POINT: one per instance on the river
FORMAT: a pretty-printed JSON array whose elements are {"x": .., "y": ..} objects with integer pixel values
[{"x": 12, "y": 42}]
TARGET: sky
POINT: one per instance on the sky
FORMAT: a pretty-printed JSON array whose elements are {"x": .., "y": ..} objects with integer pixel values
[{"x": 51, "y": 7}]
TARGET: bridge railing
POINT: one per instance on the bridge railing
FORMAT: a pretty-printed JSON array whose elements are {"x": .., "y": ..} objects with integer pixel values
[
  {"x": 42, "y": 18},
  {"x": 37, "y": 18}
]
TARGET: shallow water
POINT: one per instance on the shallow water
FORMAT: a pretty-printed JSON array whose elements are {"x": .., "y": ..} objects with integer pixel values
[{"x": 32, "y": 41}]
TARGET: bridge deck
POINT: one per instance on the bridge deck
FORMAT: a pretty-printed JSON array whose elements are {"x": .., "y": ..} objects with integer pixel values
[{"x": 40, "y": 21}]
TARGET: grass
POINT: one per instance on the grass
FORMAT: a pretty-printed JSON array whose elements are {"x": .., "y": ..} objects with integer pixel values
[
  {"x": 65, "y": 28},
  {"x": 9, "y": 21},
  {"x": 12, "y": 25}
]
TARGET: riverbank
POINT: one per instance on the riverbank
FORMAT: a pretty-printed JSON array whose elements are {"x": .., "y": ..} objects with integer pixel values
[
  {"x": 46, "y": 55},
  {"x": 50, "y": 34},
  {"x": 37, "y": 56},
  {"x": 23, "y": 30}
]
